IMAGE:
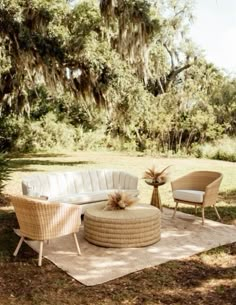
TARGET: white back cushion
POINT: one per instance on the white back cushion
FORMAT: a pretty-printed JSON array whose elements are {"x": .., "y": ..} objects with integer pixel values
[{"x": 64, "y": 183}]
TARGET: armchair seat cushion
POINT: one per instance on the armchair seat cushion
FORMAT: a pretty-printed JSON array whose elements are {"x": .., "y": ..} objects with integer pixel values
[{"x": 189, "y": 195}]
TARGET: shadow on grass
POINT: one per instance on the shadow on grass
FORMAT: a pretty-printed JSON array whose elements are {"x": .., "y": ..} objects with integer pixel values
[
  {"x": 7, "y": 237},
  {"x": 228, "y": 196},
  {"x": 9, "y": 240},
  {"x": 23, "y": 163},
  {"x": 35, "y": 155},
  {"x": 227, "y": 213}
]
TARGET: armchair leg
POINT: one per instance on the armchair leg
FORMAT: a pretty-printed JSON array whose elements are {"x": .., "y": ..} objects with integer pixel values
[
  {"x": 195, "y": 209},
  {"x": 77, "y": 243},
  {"x": 18, "y": 246},
  {"x": 40, "y": 253},
  {"x": 217, "y": 213},
  {"x": 203, "y": 216},
  {"x": 176, "y": 206}
]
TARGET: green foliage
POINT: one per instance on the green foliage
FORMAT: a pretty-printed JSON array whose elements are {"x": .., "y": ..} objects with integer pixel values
[
  {"x": 41, "y": 102},
  {"x": 33, "y": 49},
  {"x": 47, "y": 134},
  {"x": 223, "y": 149},
  {"x": 84, "y": 19},
  {"x": 90, "y": 139},
  {"x": 12, "y": 128},
  {"x": 223, "y": 101},
  {"x": 22, "y": 135},
  {"x": 82, "y": 85}
]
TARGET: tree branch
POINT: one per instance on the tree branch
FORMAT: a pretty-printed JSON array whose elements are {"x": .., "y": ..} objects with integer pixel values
[
  {"x": 172, "y": 75},
  {"x": 171, "y": 56}
]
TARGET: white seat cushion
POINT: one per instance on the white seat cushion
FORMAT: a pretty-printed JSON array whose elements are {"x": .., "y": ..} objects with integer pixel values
[
  {"x": 189, "y": 195},
  {"x": 88, "y": 197}
]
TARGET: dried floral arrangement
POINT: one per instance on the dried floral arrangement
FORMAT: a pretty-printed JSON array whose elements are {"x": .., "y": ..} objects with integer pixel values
[
  {"x": 119, "y": 200},
  {"x": 157, "y": 176}
]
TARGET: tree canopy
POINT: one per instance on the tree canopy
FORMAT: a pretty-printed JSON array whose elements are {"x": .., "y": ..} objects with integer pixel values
[{"x": 127, "y": 65}]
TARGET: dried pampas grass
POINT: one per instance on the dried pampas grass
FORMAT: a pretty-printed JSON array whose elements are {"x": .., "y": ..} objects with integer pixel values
[
  {"x": 157, "y": 176},
  {"x": 119, "y": 200}
]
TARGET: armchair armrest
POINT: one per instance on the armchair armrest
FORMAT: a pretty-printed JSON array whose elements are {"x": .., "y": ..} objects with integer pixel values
[
  {"x": 215, "y": 184},
  {"x": 62, "y": 218},
  {"x": 211, "y": 192}
]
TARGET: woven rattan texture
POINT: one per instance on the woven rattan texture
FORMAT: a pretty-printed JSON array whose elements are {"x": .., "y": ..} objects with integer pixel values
[
  {"x": 137, "y": 226},
  {"x": 206, "y": 181},
  {"x": 41, "y": 220}
]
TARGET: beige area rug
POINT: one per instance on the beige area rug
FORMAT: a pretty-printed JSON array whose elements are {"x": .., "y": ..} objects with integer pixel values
[{"x": 181, "y": 237}]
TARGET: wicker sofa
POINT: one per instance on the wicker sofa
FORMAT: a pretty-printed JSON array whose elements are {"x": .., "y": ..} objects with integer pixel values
[{"x": 79, "y": 187}]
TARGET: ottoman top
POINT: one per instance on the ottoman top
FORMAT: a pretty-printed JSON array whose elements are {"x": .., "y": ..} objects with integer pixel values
[{"x": 132, "y": 213}]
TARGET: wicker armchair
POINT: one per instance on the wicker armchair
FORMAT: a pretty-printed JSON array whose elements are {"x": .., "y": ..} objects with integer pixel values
[
  {"x": 42, "y": 221},
  {"x": 198, "y": 188}
]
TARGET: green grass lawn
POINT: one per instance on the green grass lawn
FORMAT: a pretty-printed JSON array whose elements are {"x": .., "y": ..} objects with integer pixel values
[{"x": 207, "y": 278}]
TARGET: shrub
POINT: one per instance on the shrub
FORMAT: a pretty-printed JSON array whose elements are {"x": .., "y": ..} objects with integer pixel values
[
  {"x": 223, "y": 149},
  {"x": 48, "y": 134},
  {"x": 11, "y": 129},
  {"x": 21, "y": 135},
  {"x": 90, "y": 140}
]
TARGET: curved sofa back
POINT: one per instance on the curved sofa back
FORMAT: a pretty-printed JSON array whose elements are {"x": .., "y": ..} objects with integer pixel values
[{"x": 63, "y": 183}]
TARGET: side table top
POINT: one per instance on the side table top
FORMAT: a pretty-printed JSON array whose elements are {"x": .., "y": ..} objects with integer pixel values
[{"x": 154, "y": 183}]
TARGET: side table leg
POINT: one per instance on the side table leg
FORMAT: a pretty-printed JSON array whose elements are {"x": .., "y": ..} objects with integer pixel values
[
  {"x": 159, "y": 199},
  {"x": 156, "y": 200}
]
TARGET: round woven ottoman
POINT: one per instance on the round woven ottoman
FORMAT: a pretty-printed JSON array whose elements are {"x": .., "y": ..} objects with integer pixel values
[{"x": 136, "y": 226}]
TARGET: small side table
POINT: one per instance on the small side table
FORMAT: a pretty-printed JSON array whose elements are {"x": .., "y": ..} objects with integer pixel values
[{"x": 156, "y": 199}]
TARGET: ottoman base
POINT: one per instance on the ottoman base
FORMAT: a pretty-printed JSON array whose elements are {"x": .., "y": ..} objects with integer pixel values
[{"x": 136, "y": 226}]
